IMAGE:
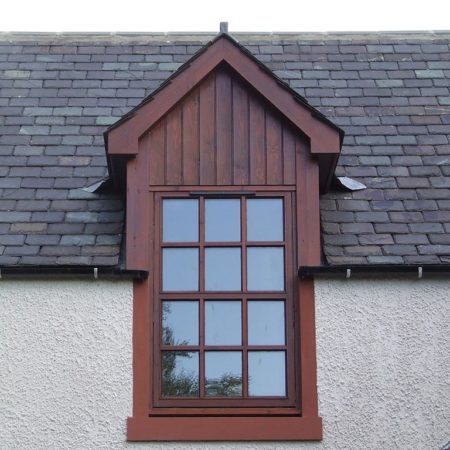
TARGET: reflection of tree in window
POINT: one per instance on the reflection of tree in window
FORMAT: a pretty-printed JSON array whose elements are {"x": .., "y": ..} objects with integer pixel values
[
  {"x": 167, "y": 332},
  {"x": 228, "y": 385},
  {"x": 177, "y": 381}
]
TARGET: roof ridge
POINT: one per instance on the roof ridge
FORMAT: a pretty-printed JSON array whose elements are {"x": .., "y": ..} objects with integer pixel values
[{"x": 202, "y": 36}]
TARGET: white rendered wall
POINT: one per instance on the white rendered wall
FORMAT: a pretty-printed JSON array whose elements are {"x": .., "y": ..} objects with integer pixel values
[{"x": 383, "y": 349}]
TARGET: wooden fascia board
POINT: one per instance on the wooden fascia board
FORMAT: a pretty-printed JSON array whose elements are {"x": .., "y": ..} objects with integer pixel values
[
  {"x": 324, "y": 138},
  {"x": 123, "y": 140}
]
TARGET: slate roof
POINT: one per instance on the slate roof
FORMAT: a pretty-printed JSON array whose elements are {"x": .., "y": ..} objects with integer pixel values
[{"x": 388, "y": 91}]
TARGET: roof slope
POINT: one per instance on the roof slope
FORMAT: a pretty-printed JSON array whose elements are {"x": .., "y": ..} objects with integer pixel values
[{"x": 389, "y": 92}]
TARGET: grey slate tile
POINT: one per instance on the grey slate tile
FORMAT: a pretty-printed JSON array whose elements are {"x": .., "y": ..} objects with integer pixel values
[{"x": 390, "y": 96}]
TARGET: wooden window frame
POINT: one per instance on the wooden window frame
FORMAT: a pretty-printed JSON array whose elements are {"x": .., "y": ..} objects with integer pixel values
[
  {"x": 218, "y": 406},
  {"x": 153, "y": 421}
]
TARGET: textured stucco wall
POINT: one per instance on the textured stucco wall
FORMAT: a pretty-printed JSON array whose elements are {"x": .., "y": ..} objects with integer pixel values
[{"x": 383, "y": 366}]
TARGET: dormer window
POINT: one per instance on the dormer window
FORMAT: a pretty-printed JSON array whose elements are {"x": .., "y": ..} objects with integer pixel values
[{"x": 223, "y": 167}]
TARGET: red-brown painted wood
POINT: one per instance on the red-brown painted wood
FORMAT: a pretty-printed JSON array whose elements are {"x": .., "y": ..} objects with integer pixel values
[
  {"x": 308, "y": 212},
  {"x": 240, "y": 134},
  {"x": 138, "y": 211},
  {"x": 224, "y": 130},
  {"x": 191, "y": 151},
  {"x": 257, "y": 141},
  {"x": 224, "y": 429},
  {"x": 141, "y": 346},
  {"x": 274, "y": 149},
  {"x": 288, "y": 155},
  {"x": 307, "y": 327},
  {"x": 173, "y": 150},
  {"x": 223, "y": 133},
  {"x": 155, "y": 146},
  {"x": 207, "y": 135}
]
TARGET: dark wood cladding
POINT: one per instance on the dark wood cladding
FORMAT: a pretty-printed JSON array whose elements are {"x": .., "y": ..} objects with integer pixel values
[{"x": 221, "y": 133}]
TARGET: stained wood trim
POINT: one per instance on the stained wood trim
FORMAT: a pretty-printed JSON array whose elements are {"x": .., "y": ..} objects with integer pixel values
[
  {"x": 308, "y": 365},
  {"x": 138, "y": 228},
  {"x": 224, "y": 429},
  {"x": 123, "y": 140},
  {"x": 308, "y": 212},
  {"x": 141, "y": 346},
  {"x": 325, "y": 139},
  {"x": 244, "y": 187},
  {"x": 173, "y": 148},
  {"x": 207, "y": 123},
  {"x": 241, "y": 411},
  {"x": 224, "y": 146},
  {"x": 191, "y": 159}
]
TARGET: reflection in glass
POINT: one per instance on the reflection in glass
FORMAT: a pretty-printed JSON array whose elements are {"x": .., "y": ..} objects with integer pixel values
[
  {"x": 222, "y": 269},
  {"x": 223, "y": 323},
  {"x": 265, "y": 219},
  {"x": 266, "y": 374},
  {"x": 265, "y": 269},
  {"x": 180, "y": 269},
  {"x": 180, "y": 322},
  {"x": 180, "y": 374},
  {"x": 265, "y": 322},
  {"x": 222, "y": 220},
  {"x": 180, "y": 220},
  {"x": 223, "y": 373}
]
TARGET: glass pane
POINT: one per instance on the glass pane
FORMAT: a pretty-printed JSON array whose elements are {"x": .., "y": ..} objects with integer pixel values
[
  {"x": 223, "y": 323},
  {"x": 265, "y": 322},
  {"x": 180, "y": 374},
  {"x": 180, "y": 269},
  {"x": 223, "y": 220},
  {"x": 180, "y": 220},
  {"x": 223, "y": 269},
  {"x": 223, "y": 373},
  {"x": 180, "y": 323},
  {"x": 266, "y": 374},
  {"x": 265, "y": 219},
  {"x": 265, "y": 269}
]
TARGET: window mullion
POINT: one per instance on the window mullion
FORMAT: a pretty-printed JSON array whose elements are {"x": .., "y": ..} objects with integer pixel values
[
  {"x": 244, "y": 350},
  {"x": 244, "y": 299},
  {"x": 201, "y": 300},
  {"x": 202, "y": 244},
  {"x": 244, "y": 243},
  {"x": 202, "y": 347}
]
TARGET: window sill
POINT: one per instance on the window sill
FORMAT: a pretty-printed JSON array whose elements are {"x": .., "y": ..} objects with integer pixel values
[{"x": 224, "y": 429}]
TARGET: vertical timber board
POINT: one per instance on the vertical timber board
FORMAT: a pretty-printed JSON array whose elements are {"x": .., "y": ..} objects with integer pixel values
[
  {"x": 274, "y": 147},
  {"x": 308, "y": 213},
  {"x": 191, "y": 153},
  {"x": 258, "y": 165},
  {"x": 154, "y": 143},
  {"x": 174, "y": 155},
  {"x": 207, "y": 132},
  {"x": 224, "y": 128},
  {"x": 222, "y": 133},
  {"x": 240, "y": 134},
  {"x": 288, "y": 155}
]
